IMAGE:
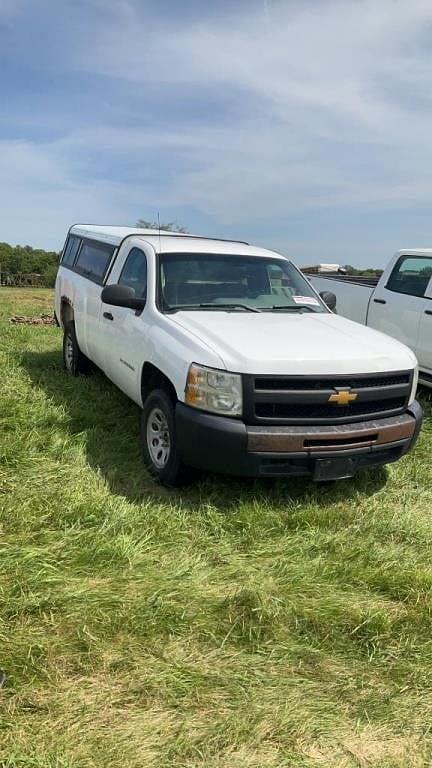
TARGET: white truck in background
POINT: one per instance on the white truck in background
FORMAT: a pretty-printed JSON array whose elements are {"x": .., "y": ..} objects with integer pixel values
[{"x": 399, "y": 303}]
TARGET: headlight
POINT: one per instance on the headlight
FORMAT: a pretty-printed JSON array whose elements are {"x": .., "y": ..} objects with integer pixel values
[
  {"x": 213, "y": 390},
  {"x": 414, "y": 385}
]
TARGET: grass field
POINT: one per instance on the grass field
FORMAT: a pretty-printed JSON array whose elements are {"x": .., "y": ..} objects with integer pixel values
[{"x": 234, "y": 624}]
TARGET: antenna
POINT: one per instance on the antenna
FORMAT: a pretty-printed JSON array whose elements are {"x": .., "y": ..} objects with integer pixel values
[{"x": 159, "y": 232}]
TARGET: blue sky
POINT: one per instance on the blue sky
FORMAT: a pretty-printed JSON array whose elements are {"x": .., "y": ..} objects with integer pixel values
[{"x": 304, "y": 126}]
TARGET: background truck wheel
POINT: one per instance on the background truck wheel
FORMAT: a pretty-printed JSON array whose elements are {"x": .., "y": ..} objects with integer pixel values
[
  {"x": 158, "y": 441},
  {"x": 74, "y": 361}
]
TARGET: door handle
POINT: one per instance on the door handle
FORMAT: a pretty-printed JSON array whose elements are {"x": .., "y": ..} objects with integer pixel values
[
  {"x": 428, "y": 312},
  {"x": 108, "y": 316},
  {"x": 380, "y": 301}
]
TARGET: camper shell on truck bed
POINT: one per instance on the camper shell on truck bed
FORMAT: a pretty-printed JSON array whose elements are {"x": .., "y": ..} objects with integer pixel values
[{"x": 237, "y": 362}]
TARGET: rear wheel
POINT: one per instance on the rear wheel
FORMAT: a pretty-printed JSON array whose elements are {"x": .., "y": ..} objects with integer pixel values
[
  {"x": 74, "y": 361},
  {"x": 158, "y": 441}
]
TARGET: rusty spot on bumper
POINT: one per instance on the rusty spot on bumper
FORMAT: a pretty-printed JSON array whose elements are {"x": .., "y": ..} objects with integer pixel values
[{"x": 330, "y": 438}]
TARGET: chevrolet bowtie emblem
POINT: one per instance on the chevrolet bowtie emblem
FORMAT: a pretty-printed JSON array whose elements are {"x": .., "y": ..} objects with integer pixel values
[{"x": 343, "y": 397}]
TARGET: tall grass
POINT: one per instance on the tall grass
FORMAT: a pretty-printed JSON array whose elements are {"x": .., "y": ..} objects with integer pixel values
[{"x": 237, "y": 624}]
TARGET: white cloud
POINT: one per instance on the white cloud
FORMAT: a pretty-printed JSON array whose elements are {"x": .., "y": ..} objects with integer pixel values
[
  {"x": 334, "y": 81},
  {"x": 41, "y": 196},
  {"x": 334, "y": 110},
  {"x": 327, "y": 55}
]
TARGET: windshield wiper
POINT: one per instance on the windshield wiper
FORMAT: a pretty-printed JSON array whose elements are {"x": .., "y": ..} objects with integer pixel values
[
  {"x": 236, "y": 305},
  {"x": 299, "y": 308}
]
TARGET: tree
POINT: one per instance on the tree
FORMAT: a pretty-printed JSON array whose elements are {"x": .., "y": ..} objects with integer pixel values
[{"x": 170, "y": 227}]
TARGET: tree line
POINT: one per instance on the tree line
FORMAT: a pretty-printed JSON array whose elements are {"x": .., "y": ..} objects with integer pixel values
[{"x": 22, "y": 263}]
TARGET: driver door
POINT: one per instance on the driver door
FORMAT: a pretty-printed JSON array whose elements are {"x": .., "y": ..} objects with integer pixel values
[
  {"x": 125, "y": 331},
  {"x": 397, "y": 307},
  {"x": 424, "y": 346}
]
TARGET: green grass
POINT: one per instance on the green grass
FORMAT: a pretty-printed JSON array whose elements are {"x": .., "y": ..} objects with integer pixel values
[{"x": 234, "y": 624}]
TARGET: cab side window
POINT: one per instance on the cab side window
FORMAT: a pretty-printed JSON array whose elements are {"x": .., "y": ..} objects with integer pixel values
[
  {"x": 411, "y": 275},
  {"x": 134, "y": 273}
]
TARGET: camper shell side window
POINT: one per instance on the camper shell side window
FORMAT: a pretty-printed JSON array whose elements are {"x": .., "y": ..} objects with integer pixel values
[{"x": 89, "y": 258}]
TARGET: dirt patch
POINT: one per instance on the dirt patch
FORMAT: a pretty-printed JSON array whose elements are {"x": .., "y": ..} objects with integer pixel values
[{"x": 41, "y": 320}]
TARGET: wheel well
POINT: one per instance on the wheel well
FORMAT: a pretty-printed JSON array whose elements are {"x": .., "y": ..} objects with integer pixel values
[
  {"x": 153, "y": 378},
  {"x": 66, "y": 312}
]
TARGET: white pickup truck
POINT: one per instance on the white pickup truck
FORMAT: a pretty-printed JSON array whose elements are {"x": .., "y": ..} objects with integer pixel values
[
  {"x": 399, "y": 303},
  {"x": 238, "y": 364}
]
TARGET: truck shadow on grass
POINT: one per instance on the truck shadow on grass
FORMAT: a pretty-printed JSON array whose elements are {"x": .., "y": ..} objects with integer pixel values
[{"x": 94, "y": 408}]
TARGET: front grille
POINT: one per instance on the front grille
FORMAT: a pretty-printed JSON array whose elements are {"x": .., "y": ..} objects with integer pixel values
[
  {"x": 275, "y": 382},
  {"x": 325, "y": 411},
  {"x": 305, "y": 400}
]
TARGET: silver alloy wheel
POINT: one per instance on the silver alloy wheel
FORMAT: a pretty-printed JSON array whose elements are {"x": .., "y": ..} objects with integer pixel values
[
  {"x": 69, "y": 352},
  {"x": 158, "y": 438}
]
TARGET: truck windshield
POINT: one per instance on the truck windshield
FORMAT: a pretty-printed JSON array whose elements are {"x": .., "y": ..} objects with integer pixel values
[{"x": 233, "y": 283}]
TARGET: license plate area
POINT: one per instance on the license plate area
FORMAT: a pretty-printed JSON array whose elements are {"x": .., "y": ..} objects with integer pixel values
[{"x": 334, "y": 468}]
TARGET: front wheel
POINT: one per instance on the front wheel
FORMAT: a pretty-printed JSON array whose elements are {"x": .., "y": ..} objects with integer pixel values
[{"x": 158, "y": 441}]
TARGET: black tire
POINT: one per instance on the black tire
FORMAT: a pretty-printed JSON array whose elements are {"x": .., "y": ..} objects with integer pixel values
[
  {"x": 74, "y": 361},
  {"x": 161, "y": 459}
]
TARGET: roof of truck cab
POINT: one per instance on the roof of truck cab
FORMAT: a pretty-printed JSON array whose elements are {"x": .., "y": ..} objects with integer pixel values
[
  {"x": 169, "y": 242},
  {"x": 415, "y": 251}
]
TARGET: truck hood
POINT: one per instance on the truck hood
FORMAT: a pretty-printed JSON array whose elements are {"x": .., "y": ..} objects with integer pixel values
[{"x": 310, "y": 343}]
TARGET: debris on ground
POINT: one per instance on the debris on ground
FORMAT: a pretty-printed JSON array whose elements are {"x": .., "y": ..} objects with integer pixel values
[{"x": 41, "y": 320}]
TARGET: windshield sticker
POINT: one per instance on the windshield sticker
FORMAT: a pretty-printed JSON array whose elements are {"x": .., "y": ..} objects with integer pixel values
[{"x": 309, "y": 300}]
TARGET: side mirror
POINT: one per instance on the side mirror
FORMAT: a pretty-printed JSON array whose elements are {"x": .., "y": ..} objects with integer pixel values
[
  {"x": 329, "y": 298},
  {"x": 122, "y": 296}
]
